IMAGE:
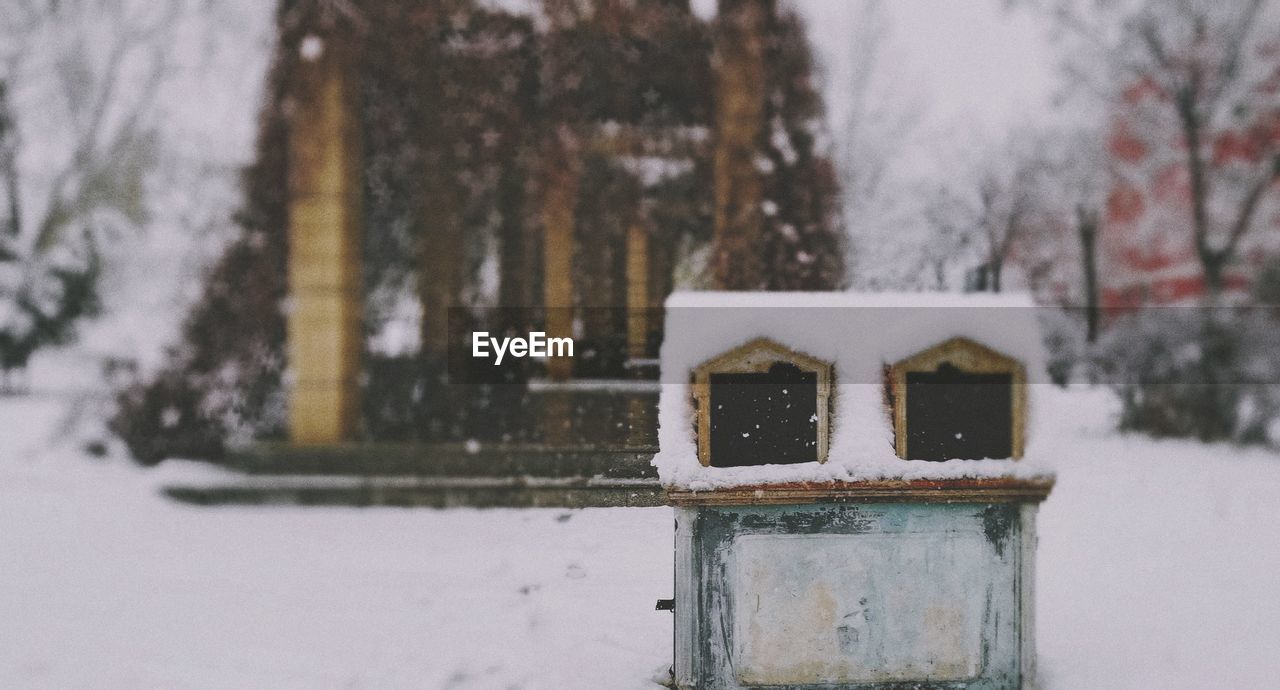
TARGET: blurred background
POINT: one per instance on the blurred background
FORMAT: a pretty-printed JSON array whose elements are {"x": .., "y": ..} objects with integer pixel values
[
  {"x": 262, "y": 221},
  {"x": 256, "y": 234}
]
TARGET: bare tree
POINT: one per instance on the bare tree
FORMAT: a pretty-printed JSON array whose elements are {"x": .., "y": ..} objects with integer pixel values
[
  {"x": 1196, "y": 80},
  {"x": 995, "y": 206},
  {"x": 97, "y": 67},
  {"x": 9, "y": 166},
  {"x": 1071, "y": 209},
  {"x": 1190, "y": 90},
  {"x": 951, "y": 236},
  {"x": 80, "y": 85}
]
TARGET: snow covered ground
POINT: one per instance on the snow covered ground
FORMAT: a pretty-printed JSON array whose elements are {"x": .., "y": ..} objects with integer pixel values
[{"x": 1158, "y": 567}]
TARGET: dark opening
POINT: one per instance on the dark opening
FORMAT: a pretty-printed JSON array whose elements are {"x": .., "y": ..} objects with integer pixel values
[
  {"x": 956, "y": 414},
  {"x": 766, "y": 418}
]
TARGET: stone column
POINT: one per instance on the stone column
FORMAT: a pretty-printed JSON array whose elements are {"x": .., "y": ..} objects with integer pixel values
[
  {"x": 324, "y": 321},
  {"x": 559, "y": 199},
  {"x": 637, "y": 289},
  {"x": 441, "y": 262}
]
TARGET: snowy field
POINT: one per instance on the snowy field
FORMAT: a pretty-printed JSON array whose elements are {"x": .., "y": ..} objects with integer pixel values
[{"x": 1159, "y": 568}]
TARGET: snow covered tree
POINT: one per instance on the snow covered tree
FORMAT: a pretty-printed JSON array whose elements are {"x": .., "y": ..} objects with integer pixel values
[
  {"x": 777, "y": 215},
  {"x": 804, "y": 240},
  {"x": 888, "y": 237},
  {"x": 78, "y": 84},
  {"x": 994, "y": 207},
  {"x": 42, "y": 293}
]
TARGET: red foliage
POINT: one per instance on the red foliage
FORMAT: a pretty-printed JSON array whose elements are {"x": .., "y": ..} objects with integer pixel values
[{"x": 1125, "y": 204}]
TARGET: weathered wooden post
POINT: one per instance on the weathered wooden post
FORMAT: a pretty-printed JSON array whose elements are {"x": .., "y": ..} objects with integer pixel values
[
  {"x": 817, "y": 545},
  {"x": 324, "y": 331}
]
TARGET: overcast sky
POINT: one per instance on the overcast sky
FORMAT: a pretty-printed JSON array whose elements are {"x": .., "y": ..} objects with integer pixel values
[
  {"x": 972, "y": 68},
  {"x": 970, "y": 59}
]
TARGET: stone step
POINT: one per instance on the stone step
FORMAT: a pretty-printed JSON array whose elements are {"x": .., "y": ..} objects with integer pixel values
[
  {"x": 426, "y": 492},
  {"x": 464, "y": 460}
]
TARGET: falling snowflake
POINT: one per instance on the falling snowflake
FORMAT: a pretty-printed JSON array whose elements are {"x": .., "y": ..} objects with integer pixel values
[
  {"x": 311, "y": 48},
  {"x": 170, "y": 416}
]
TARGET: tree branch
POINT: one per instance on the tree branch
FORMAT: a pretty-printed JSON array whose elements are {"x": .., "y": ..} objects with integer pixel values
[{"x": 1248, "y": 208}]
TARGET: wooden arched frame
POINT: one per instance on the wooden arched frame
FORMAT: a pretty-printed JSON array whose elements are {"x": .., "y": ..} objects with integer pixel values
[
  {"x": 754, "y": 357},
  {"x": 971, "y": 357}
]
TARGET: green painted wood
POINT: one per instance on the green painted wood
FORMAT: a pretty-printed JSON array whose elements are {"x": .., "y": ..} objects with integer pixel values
[{"x": 876, "y": 596}]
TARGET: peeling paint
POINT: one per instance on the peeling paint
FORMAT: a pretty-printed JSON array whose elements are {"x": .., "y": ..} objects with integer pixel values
[
  {"x": 883, "y": 595},
  {"x": 997, "y": 522}
]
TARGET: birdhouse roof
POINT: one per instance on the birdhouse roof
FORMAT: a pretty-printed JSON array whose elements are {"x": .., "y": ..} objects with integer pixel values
[{"x": 859, "y": 335}]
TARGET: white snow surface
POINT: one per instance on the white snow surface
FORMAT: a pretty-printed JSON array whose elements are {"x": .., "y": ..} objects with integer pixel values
[
  {"x": 859, "y": 333},
  {"x": 1155, "y": 570}
]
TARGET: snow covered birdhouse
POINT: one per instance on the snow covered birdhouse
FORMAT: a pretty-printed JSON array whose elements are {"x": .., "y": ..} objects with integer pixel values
[
  {"x": 855, "y": 489},
  {"x": 762, "y": 403},
  {"x": 958, "y": 399}
]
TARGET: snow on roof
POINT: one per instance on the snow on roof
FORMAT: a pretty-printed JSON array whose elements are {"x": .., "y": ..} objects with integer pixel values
[{"x": 859, "y": 334}]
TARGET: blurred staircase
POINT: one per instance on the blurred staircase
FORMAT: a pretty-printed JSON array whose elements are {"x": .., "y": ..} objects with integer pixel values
[
  {"x": 586, "y": 444},
  {"x": 429, "y": 475}
]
